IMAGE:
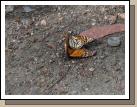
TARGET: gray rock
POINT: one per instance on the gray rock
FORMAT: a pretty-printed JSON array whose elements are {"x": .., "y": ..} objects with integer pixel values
[
  {"x": 9, "y": 8},
  {"x": 27, "y": 8},
  {"x": 113, "y": 41}
]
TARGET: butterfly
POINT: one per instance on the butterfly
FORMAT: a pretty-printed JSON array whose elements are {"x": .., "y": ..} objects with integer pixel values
[
  {"x": 76, "y": 42},
  {"x": 73, "y": 47}
]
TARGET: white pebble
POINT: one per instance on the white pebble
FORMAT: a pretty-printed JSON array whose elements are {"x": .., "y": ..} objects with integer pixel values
[
  {"x": 93, "y": 22},
  {"x": 43, "y": 22},
  {"x": 91, "y": 69}
]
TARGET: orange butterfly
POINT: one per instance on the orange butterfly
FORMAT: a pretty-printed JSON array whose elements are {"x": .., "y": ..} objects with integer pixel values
[{"x": 74, "y": 51}]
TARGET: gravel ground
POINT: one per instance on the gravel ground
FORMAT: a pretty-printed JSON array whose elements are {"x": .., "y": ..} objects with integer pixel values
[{"x": 35, "y": 59}]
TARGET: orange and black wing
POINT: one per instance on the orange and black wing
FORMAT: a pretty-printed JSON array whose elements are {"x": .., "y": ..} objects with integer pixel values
[
  {"x": 79, "y": 53},
  {"x": 76, "y": 53}
]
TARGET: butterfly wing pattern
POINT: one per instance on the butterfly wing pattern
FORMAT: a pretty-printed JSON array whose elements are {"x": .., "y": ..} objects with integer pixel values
[
  {"x": 76, "y": 42},
  {"x": 79, "y": 53},
  {"x": 73, "y": 47}
]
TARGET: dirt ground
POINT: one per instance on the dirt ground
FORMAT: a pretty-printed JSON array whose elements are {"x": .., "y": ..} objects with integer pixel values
[{"x": 36, "y": 63}]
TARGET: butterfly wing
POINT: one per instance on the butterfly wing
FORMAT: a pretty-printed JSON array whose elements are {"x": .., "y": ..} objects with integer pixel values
[
  {"x": 81, "y": 53},
  {"x": 76, "y": 53},
  {"x": 85, "y": 39},
  {"x": 77, "y": 42}
]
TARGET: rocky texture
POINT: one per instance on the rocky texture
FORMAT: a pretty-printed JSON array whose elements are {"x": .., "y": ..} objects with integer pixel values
[{"x": 36, "y": 62}]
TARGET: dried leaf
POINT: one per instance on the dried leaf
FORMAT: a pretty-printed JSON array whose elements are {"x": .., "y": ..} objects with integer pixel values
[{"x": 101, "y": 31}]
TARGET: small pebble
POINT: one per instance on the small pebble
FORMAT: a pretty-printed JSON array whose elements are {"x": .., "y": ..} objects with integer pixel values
[
  {"x": 43, "y": 22},
  {"x": 80, "y": 64},
  {"x": 60, "y": 41},
  {"x": 86, "y": 89},
  {"x": 93, "y": 22},
  {"x": 69, "y": 65},
  {"x": 60, "y": 18},
  {"x": 50, "y": 61},
  {"x": 36, "y": 24},
  {"x": 70, "y": 32},
  {"x": 18, "y": 26},
  {"x": 94, "y": 63},
  {"x": 121, "y": 15},
  {"x": 105, "y": 17},
  {"x": 57, "y": 54},
  {"x": 102, "y": 57},
  {"x": 25, "y": 21},
  {"x": 113, "y": 41},
  {"x": 35, "y": 59},
  {"x": 53, "y": 56},
  {"x": 13, "y": 40},
  {"x": 31, "y": 33},
  {"x": 27, "y": 9},
  {"x": 73, "y": 62},
  {"x": 91, "y": 69}
]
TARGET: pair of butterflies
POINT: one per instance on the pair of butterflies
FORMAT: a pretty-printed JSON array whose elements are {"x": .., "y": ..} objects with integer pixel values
[{"x": 74, "y": 46}]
